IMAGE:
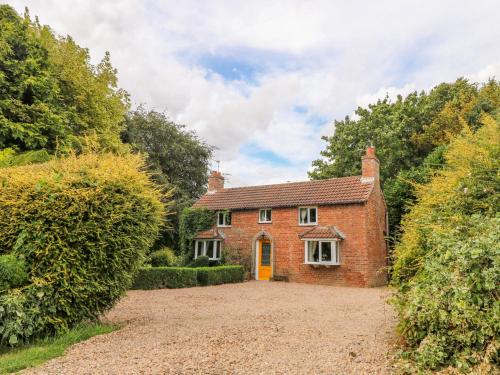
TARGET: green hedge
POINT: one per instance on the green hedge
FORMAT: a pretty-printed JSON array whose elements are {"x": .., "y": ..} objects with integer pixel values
[
  {"x": 79, "y": 227},
  {"x": 220, "y": 275},
  {"x": 184, "y": 277},
  {"x": 165, "y": 277}
]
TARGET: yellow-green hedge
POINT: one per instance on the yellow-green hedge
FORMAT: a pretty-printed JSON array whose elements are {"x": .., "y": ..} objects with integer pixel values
[{"x": 81, "y": 225}]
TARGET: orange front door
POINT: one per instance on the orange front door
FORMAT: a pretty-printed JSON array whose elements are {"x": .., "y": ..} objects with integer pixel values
[{"x": 264, "y": 260}]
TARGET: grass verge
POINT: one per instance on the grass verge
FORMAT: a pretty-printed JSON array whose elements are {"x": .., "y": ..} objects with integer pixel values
[{"x": 13, "y": 360}]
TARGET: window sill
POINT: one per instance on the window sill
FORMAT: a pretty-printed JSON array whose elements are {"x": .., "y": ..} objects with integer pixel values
[
  {"x": 223, "y": 226},
  {"x": 308, "y": 225},
  {"x": 265, "y": 222},
  {"x": 324, "y": 264}
]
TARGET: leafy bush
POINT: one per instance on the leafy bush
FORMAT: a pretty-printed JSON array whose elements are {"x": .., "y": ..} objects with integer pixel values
[
  {"x": 201, "y": 261},
  {"x": 192, "y": 221},
  {"x": 82, "y": 225},
  {"x": 237, "y": 256},
  {"x": 165, "y": 277},
  {"x": 448, "y": 261},
  {"x": 164, "y": 258},
  {"x": 12, "y": 272},
  {"x": 220, "y": 275}
]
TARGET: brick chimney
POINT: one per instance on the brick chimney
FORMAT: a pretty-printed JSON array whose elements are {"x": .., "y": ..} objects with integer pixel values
[
  {"x": 370, "y": 165},
  {"x": 215, "y": 181}
]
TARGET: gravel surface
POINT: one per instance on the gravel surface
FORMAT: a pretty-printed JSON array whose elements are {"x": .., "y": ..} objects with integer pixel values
[{"x": 249, "y": 328}]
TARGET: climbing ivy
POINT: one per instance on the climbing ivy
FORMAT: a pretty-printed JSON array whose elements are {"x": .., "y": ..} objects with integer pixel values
[{"x": 192, "y": 221}]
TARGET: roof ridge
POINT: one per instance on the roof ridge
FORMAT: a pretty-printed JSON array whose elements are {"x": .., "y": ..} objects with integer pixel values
[{"x": 289, "y": 183}]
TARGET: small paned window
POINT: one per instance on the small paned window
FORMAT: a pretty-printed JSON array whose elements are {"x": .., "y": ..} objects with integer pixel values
[
  {"x": 308, "y": 216},
  {"x": 265, "y": 215},
  {"x": 224, "y": 219}
]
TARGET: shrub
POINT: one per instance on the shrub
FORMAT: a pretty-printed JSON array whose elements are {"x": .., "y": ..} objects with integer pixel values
[
  {"x": 164, "y": 258},
  {"x": 82, "y": 225},
  {"x": 448, "y": 261},
  {"x": 165, "y": 277},
  {"x": 220, "y": 275},
  {"x": 237, "y": 256},
  {"x": 201, "y": 261},
  {"x": 12, "y": 272}
]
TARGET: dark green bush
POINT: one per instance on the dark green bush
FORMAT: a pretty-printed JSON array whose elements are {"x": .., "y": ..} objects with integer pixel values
[
  {"x": 163, "y": 258},
  {"x": 165, "y": 277},
  {"x": 201, "y": 261},
  {"x": 12, "y": 272},
  {"x": 192, "y": 221},
  {"x": 82, "y": 226},
  {"x": 220, "y": 275}
]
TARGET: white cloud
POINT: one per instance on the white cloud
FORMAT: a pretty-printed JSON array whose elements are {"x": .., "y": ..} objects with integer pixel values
[{"x": 343, "y": 54}]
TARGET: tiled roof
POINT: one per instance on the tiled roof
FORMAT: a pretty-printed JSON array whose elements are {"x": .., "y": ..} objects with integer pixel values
[
  {"x": 343, "y": 190},
  {"x": 322, "y": 232},
  {"x": 209, "y": 235}
]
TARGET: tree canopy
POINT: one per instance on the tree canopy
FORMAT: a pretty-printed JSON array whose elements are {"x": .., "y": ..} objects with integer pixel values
[{"x": 51, "y": 96}]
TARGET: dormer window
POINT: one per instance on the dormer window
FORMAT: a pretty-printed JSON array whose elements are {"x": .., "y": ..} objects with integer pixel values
[
  {"x": 265, "y": 215},
  {"x": 308, "y": 215},
  {"x": 224, "y": 219}
]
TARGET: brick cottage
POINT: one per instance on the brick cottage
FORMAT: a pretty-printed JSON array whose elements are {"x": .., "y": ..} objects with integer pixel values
[{"x": 325, "y": 231}]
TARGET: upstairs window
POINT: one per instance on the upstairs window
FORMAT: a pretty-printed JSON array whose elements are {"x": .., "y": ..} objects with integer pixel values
[
  {"x": 308, "y": 215},
  {"x": 265, "y": 215},
  {"x": 224, "y": 219},
  {"x": 209, "y": 248},
  {"x": 322, "y": 252}
]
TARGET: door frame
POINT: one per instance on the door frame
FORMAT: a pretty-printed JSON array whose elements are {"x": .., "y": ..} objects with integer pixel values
[{"x": 257, "y": 246}]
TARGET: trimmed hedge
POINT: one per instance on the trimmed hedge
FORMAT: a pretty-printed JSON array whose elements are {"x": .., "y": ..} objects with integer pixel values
[
  {"x": 220, "y": 275},
  {"x": 185, "y": 277},
  {"x": 165, "y": 277}
]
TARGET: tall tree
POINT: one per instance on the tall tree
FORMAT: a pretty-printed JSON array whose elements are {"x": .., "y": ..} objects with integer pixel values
[
  {"x": 178, "y": 159},
  {"x": 51, "y": 96}
]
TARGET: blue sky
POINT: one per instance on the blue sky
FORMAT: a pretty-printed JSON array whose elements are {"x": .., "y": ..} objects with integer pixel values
[{"x": 263, "y": 81}]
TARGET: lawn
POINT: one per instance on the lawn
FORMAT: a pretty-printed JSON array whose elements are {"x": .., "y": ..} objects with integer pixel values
[{"x": 13, "y": 360}]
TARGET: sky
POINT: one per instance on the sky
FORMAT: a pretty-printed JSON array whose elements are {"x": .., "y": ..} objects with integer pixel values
[{"x": 263, "y": 80}]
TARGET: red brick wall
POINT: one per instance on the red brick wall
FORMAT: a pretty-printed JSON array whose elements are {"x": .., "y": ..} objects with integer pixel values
[{"x": 363, "y": 252}]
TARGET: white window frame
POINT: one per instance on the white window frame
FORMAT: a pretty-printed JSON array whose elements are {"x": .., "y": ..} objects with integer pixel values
[
  {"x": 308, "y": 215},
  {"x": 226, "y": 214},
  {"x": 267, "y": 221},
  {"x": 200, "y": 248},
  {"x": 335, "y": 244}
]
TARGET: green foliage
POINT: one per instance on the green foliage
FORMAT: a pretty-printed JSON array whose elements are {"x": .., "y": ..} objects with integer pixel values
[
  {"x": 41, "y": 351},
  {"x": 176, "y": 157},
  {"x": 220, "y": 275},
  {"x": 164, "y": 258},
  {"x": 82, "y": 225},
  {"x": 192, "y": 221},
  {"x": 52, "y": 97},
  {"x": 448, "y": 260},
  {"x": 165, "y": 277},
  {"x": 12, "y": 272},
  {"x": 237, "y": 256},
  {"x": 11, "y": 159},
  {"x": 201, "y": 261},
  {"x": 184, "y": 277}
]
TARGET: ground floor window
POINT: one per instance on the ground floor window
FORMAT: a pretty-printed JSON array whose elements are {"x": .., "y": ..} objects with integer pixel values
[
  {"x": 209, "y": 248},
  {"x": 322, "y": 252}
]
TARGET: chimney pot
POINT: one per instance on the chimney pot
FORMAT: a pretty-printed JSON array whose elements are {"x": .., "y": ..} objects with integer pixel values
[
  {"x": 215, "y": 181},
  {"x": 370, "y": 165}
]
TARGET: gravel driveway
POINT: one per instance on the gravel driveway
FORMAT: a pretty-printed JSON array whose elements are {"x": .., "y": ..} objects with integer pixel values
[{"x": 249, "y": 328}]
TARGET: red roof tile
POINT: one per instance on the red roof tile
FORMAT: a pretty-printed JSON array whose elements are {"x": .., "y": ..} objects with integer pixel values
[
  {"x": 322, "y": 232},
  {"x": 208, "y": 235},
  {"x": 344, "y": 190}
]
